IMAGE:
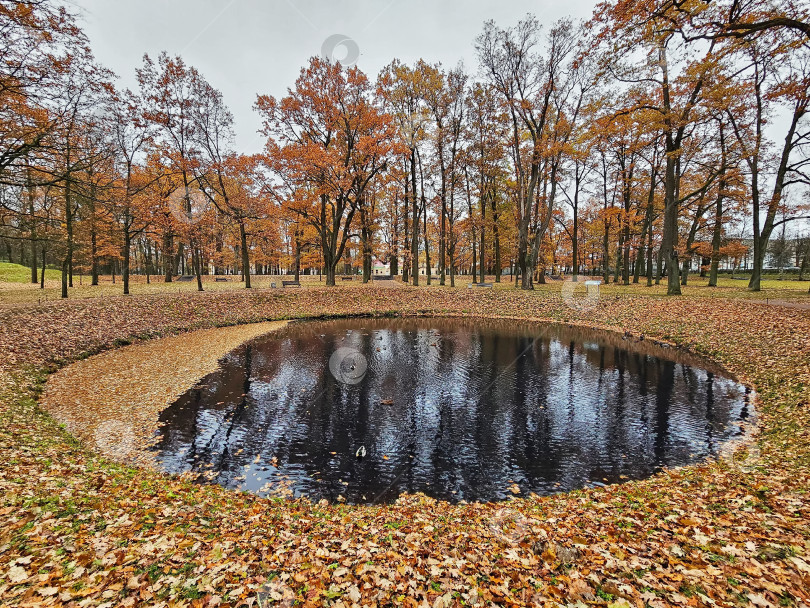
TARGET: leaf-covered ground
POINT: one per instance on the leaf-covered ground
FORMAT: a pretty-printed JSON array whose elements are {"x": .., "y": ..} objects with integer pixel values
[
  {"x": 80, "y": 530},
  {"x": 105, "y": 402},
  {"x": 16, "y": 289}
]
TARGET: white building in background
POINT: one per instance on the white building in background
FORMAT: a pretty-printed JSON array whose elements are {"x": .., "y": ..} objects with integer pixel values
[{"x": 378, "y": 268}]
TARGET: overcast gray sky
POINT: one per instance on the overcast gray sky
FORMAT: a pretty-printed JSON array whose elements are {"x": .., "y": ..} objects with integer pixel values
[{"x": 247, "y": 47}]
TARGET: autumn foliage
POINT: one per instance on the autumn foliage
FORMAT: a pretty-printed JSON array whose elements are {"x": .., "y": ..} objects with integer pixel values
[{"x": 619, "y": 148}]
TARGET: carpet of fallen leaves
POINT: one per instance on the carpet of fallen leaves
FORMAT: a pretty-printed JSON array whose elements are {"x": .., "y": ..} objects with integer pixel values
[
  {"x": 80, "y": 530},
  {"x": 112, "y": 401}
]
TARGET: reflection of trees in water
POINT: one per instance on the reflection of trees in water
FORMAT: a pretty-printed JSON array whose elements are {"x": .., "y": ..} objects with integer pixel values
[{"x": 475, "y": 408}]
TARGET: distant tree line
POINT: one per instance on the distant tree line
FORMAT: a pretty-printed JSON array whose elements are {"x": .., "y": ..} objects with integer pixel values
[{"x": 636, "y": 146}]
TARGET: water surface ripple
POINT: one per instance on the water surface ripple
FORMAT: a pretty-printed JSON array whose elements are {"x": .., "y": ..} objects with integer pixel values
[{"x": 457, "y": 409}]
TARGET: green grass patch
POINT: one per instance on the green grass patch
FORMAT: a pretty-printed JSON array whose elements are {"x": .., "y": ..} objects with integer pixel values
[{"x": 14, "y": 273}]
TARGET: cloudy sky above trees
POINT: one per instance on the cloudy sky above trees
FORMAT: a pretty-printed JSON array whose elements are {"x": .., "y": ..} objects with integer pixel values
[{"x": 247, "y": 47}]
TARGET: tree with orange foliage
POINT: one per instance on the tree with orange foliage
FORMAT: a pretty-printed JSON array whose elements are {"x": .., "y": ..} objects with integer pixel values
[
  {"x": 37, "y": 41},
  {"x": 168, "y": 87},
  {"x": 74, "y": 142},
  {"x": 404, "y": 90},
  {"x": 330, "y": 136},
  {"x": 641, "y": 45},
  {"x": 130, "y": 135},
  {"x": 741, "y": 19},
  {"x": 775, "y": 78},
  {"x": 486, "y": 132},
  {"x": 527, "y": 81},
  {"x": 226, "y": 178}
]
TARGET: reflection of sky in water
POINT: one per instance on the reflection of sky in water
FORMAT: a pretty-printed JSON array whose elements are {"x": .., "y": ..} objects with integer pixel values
[{"x": 455, "y": 409}]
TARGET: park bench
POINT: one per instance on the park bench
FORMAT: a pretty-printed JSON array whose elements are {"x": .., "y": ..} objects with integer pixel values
[
  {"x": 477, "y": 285},
  {"x": 221, "y": 279},
  {"x": 593, "y": 287},
  {"x": 290, "y": 284},
  {"x": 186, "y": 278},
  {"x": 347, "y": 278},
  {"x": 382, "y": 277}
]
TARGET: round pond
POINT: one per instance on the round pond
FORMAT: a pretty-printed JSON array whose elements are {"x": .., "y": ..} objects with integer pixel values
[{"x": 363, "y": 410}]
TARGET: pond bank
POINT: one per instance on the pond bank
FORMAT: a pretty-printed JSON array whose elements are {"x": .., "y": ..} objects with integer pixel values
[
  {"x": 77, "y": 529},
  {"x": 111, "y": 401}
]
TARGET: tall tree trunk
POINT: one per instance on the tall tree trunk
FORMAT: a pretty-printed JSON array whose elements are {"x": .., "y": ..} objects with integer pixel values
[
  {"x": 650, "y": 255},
  {"x": 659, "y": 265},
  {"x": 34, "y": 274},
  {"x": 669, "y": 240},
  {"x": 393, "y": 262},
  {"x": 717, "y": 234},
  {"x": 297, "y": 254},
  {"x": 330, "y": 273},
  {"x": 646, "y": 251},
  {"x": 606, "y": 226},
  {"x": 367, "y": 260},
  {"x": 33, "y": 223},
  {"x": 472, "y": 225},
  {"x": 443, "y": 222},
  {"x": 575, "y": 234},
  {"x": 641, "y": 255},
  {"x": 245, "y": 253},
  {"x": 428, "y": 270},
  {"x": 626, "y": 265},
  {"x": 451, "y": 245},
  {"x": 67, "y": 262},
  {"x": 524, "y": 270},
  {"x": 617, "y": 271},
  {"x": 482, "y": 267},
  {"x": 42, "y": 274},
  {"x": 686, "y": 266},
  {"x": 365, "y": 238},
  {"x": 218, "y": 250},
  {"x": 762, "y": 237},
  {"x": 407, "y": 245},
  {"x": 638, "y": 266},
  {"x": 674, "y": 131},
  {"x": 127, "y": 252},
  {"x": 148, "y": 257},
  {"x": 415, "y": 222},
  {"x": 496, "y": 237},
  {"x": 168, "y": 256},
  {"x": 196, "y": 263}
]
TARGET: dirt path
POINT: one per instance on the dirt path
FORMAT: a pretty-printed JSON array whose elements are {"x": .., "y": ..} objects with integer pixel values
[{"x": 785, "y": 303}]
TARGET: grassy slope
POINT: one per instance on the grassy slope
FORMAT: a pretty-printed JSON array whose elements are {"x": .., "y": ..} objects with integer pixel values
[{"x": 14, "y": 273}]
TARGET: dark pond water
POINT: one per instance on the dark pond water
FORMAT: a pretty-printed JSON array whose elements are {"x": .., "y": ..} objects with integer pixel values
[{"x": 459, "y": 410}]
